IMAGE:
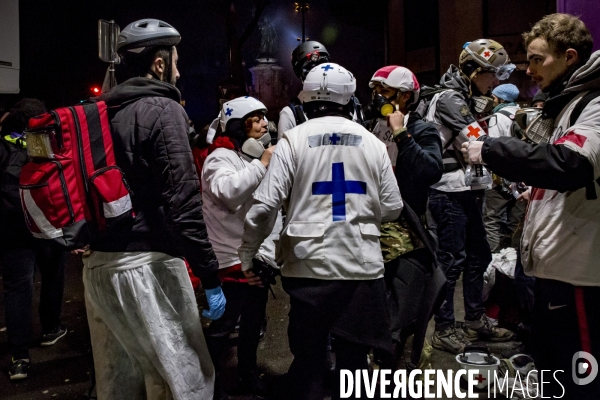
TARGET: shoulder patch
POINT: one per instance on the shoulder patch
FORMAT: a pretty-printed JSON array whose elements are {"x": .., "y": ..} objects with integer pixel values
[
  {"x": 335, "y": 139},
  {"x": 464, "y": 110}
]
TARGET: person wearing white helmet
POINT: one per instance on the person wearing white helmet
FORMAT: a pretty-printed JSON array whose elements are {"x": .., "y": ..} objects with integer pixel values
[
  {"x": 415, "y": 153},
  {"x": 145, "y": 329},
  {"x": 455, "y": 201},
  {"x": 237, "y": 161},
  {"x": 336, "y": 184}
]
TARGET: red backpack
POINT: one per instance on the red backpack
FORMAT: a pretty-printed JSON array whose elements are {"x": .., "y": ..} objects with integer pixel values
[{"x": 72, "y": 189}]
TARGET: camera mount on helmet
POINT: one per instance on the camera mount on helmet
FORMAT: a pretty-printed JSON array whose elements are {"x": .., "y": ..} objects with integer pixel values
[{"x": 308, "y": 55}]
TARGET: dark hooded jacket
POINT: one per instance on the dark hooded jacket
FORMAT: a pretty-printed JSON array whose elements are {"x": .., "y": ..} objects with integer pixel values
[
  {"x": 149, "y": 130},
  {"x": 451, "y": 104},
  {"x": 419, "y": 160},
  {"x": 419, "y": 163}
]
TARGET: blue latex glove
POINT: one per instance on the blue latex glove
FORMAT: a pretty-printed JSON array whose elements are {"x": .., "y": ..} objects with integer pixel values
[{"x": 216, "y": 303}]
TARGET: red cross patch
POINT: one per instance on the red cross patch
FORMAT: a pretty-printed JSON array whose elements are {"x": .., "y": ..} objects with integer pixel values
[
  {"x": 473, "y": 132},
  {"x": 487, "y": 54},
  {"x": 572, "y": 137}
]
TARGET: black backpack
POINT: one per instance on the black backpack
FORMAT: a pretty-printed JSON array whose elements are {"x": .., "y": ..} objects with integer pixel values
[
  {"x": 427, "y": 93},
  {"x": 296, "y": 107},
  {"x": 415, "y": 288}
]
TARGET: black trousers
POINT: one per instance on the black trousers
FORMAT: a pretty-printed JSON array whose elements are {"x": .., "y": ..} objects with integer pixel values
[
  {"x": 463, "y": 248},
  {"x": 316, "y": 308},
  {"x": 249, "y": 304},
  {"x": 18, "y": 270},
  {"x": 566, "y": 321}
]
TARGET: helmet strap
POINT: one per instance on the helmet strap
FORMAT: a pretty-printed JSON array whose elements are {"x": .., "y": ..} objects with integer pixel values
[{"x": 478, "y": 70}]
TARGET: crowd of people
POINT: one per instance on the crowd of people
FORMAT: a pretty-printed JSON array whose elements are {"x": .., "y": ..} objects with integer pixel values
[{"x": 368, "y": 214}]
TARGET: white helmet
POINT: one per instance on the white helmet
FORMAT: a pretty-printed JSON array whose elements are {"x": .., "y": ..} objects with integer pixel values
[
  {"x": 328, "y": 82},
  {"x": 397, "y": 77},
  {"x": 238, "y": 109}
]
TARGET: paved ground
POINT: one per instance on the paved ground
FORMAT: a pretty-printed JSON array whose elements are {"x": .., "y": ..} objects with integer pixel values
[{"x": 62, "y": 371}]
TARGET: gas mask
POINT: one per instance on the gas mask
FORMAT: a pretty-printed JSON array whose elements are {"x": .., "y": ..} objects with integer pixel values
[
  {"x": 254, "y": 148},
  {"x": 482, "y": 104},
  {"x": 530, "y": 125},
  {"x": 380, "y": 107}
]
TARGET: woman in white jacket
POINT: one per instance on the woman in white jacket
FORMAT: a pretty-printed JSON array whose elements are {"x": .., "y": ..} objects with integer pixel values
[{"x": 237, "y": 161}]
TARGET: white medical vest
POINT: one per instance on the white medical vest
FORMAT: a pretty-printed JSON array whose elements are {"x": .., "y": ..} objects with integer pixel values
[{"x": 343, "y": 187}]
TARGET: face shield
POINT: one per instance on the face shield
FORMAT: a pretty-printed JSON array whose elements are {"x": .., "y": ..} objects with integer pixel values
[{"x": 502, "y": 72}]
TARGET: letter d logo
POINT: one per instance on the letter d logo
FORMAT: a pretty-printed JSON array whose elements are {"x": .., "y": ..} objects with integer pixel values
[{"x": 585, "y": 368}]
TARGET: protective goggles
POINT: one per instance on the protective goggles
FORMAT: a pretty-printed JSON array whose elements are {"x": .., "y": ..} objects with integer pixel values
[{"x": 502, "y": 72}]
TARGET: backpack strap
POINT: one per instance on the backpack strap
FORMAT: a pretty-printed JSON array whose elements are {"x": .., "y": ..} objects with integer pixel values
[
  {"x": 507, "y": 113},
  {"x": 297, "y": 110},
  {"x": 581, "y": 105},
  {"x": 590, "y": 189}
]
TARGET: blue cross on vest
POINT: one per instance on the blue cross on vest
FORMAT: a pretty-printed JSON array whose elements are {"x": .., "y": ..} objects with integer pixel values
[
  {"x": 338, "y": 187},
  {"x": 333, "y": 139},
  {"x": 228, "y": 111},
  {"x": 327, "y": 67}
]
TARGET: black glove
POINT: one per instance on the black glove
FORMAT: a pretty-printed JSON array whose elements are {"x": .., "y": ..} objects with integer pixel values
[{"x": 266, "y": 273}]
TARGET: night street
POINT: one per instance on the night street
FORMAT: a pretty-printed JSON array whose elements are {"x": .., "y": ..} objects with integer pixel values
[{"x": 62, "y": 371}]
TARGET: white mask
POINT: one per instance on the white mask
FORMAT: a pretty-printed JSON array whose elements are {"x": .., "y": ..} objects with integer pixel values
[{"x": 256, "y": 147}]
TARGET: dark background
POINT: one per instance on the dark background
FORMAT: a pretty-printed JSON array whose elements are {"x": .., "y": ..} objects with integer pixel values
[{"x": 59, "y": 44}]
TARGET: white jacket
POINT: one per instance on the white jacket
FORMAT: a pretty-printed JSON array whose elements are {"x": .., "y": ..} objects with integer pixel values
[
  {"x": 561, "y": 235},
  {"x": 228, "y": 180},
  {"x": 287, "y": 121},
  {"x": 337, "y": 184},
  {"x": 499, "y": 124}
]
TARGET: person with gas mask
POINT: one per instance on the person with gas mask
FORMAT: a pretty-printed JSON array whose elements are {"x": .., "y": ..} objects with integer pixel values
[
  {"x": 336, "y": 183},
  {"x": 237, "y": 161},
  {"x": 415, "y": 150},
  {"x": 454, "y": 202},
  {"x": 305, "y": 57}
]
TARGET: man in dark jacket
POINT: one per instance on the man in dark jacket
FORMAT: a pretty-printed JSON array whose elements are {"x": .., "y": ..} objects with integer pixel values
[
  {"x": 415, "y": 150},
  {"x": 20, "y": 253},
  {"x": 143, "y": 317}
]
